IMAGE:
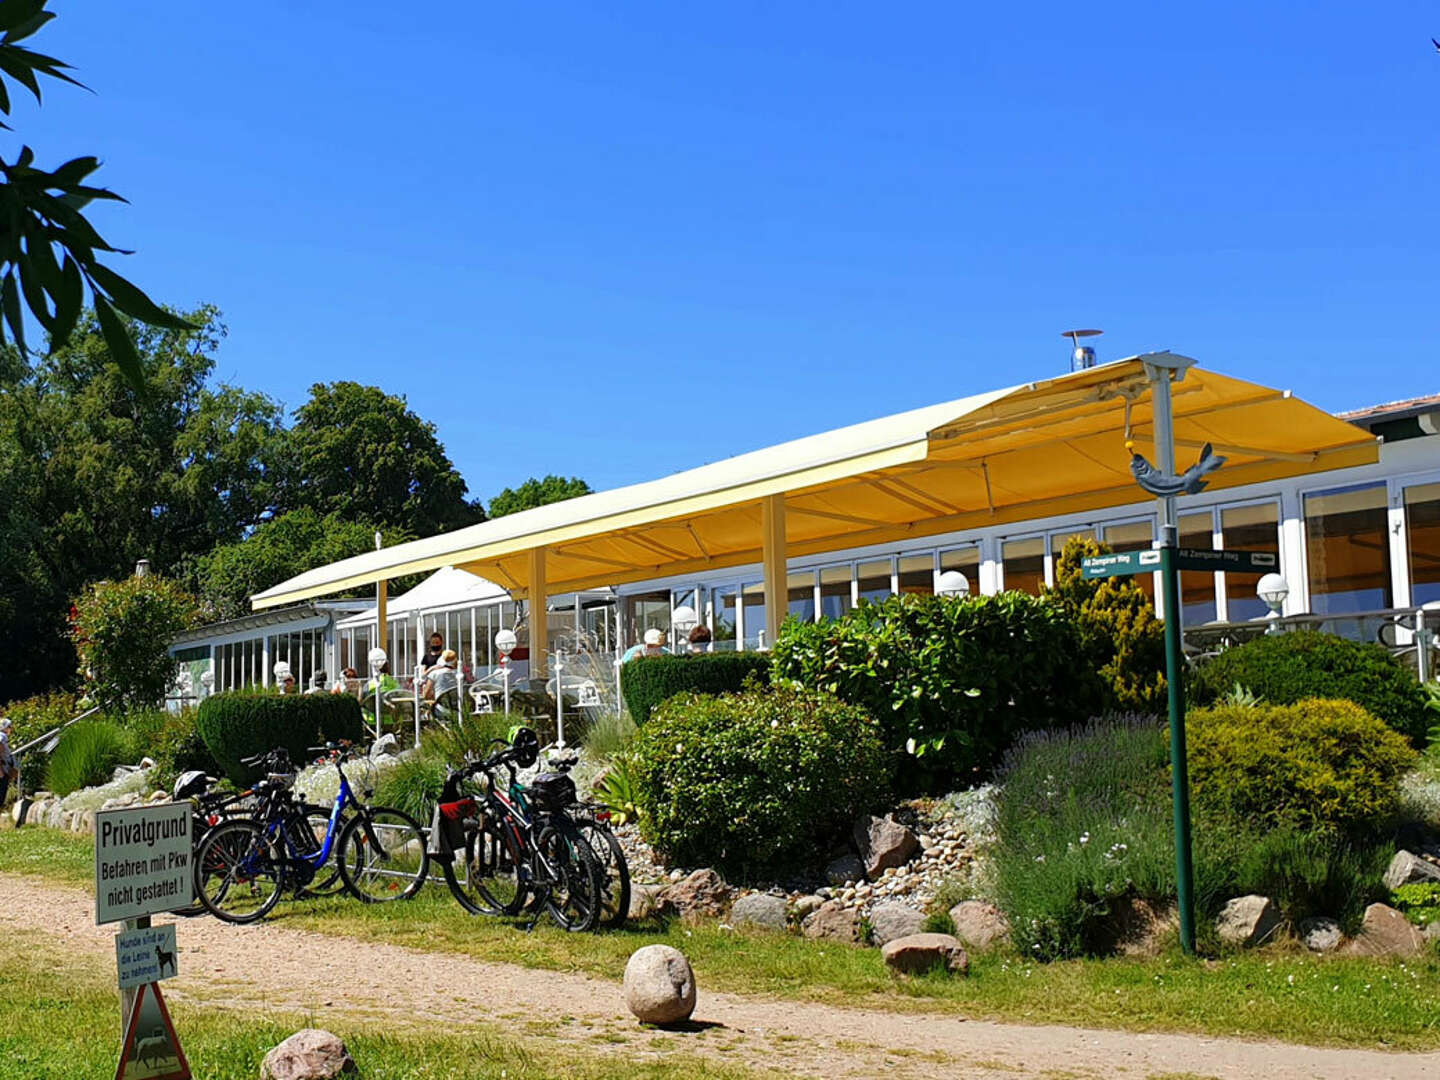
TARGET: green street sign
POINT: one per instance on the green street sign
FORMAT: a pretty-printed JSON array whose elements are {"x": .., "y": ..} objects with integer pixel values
[
  {"x": 1232, "y": 562},
  {"x": 1120, "y": 564}
]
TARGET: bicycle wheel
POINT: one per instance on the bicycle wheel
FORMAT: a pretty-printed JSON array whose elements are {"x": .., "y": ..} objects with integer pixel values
[
  {"x": 241, "y": 877},
  {"x": 326, "y": 881},
  {"x": 382, "y": 855},
  {"x": 614, "y": 871},
  {"x": 485, "y": 877},
  {"x": 565, "y": 867},
  {"x": 199, "y": 827}
]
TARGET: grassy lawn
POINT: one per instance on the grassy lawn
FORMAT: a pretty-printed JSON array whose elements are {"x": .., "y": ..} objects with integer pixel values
[
  {"x": 60, "y": 1019},
  {"x": 1275, "y": 993}
]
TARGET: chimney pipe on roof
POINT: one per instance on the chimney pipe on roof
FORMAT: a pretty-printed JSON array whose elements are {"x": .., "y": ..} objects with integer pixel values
[
  {"x": 1083, "y": 356},
  {"x": 142, "y": 568}
]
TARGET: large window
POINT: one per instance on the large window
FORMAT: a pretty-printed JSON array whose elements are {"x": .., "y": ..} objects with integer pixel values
[
  {"x": 1197, "y": 587},
  {"x": 1248, "y": 528},
  {"x": 800, "y": 587},
  {"x": 1422, "y": 525},
  {"x": 1348, "y": 550},
  {"x": 834, "y": 591},
  {"x": 723, "y": 616},
  {"x": 753, "y": 597},
  {"x": 647, "y": 611},
  {"x": 917, "y": 574},
  {"x": 873, "y": 580},
  {"x": 1023, "y": 564},
  {"x": 967, "y": 561}
]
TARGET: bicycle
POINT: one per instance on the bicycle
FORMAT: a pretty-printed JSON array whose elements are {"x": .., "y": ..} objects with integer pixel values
[
  {"x": 593, "y": 822},
  {"x": 520, "y": 850},
  {"x": 380, "y": 851}
]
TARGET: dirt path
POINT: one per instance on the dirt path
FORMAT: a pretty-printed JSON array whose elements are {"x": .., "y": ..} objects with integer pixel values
[{"x": 331, "y": 976}]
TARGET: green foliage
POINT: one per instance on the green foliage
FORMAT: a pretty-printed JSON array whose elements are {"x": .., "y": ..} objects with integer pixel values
[
  {"x": 47, "y": 246},
  {"x": 122, "y": 631},
  {"x": 609, "y": 735},
  {"x": 533, "y": 493},
  {"x": 951, "y": 680},
  {"x": 173, "y": 741},
  {"x": 88, "y": 753},
  {"x": 938, "y": 922},
  {"x": 413, "y": 784},
  {"x": 32, "y": 718},
  {"x": 646, "y": 681},
  {"x": 1307, "y": 873},
  {"x": 1119, "y": 632},
  {"x": 289, "y": 544},
  {"x": 471, "y": 735},
  {"x": 758, "y": 779},
  {"x": 1323, "y": 766},
  {"x": 617, "y": 790},
  {"x": 1420, "y": 902},
  {"x": 1240, "y": 698},
  {"x": 361, "y": 453},
  {"x": 1285, "y": 668},
  {"x": 242, "y": 723}
]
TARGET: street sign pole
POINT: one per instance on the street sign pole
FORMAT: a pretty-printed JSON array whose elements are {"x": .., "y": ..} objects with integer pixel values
[{"x": 1160, "y": 375}]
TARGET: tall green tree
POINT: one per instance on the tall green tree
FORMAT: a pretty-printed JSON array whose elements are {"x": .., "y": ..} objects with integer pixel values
[
  {"x": 359, "y": 452},
  {"x": 292, "y": 543},
  {"x": 122, "y": 631},
  {"x": 533, "y": 493},
  {"x": 48, "y": 248}
]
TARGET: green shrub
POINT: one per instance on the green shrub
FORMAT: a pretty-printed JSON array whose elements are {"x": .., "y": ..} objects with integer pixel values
[
  {"x": 173, "y": 741},
  {"x": 1122, "y": 638},
  {"x": 938, "y": 922},
  {"x": 87, "y": 754},
  {"x": 122, "y": 631},
  {"x": 244, "y": 723},
  {"x": 32, "y": 718},
  {"x": 609, "y": 736},
  {"x": 1316, "y": 765},
  {"x": 1420, "y": 902},
  {"x": 648, "y": 680},
  {"x": 754, "y": 780},
  {"x": 952, "y": 681},
  {"x": 617, "y": 790},
  {"x": 413, "y": 784},
  {"x": 1285, "y": 668}
]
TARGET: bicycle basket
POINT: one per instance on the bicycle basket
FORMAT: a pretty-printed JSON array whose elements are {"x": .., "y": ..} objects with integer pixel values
[{"x": 551, "y": 791}]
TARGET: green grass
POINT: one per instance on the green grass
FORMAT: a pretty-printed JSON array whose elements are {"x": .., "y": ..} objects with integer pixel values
[
  {"x": 1273, "y": 993},
  {"x": 59, "y": 1019}
]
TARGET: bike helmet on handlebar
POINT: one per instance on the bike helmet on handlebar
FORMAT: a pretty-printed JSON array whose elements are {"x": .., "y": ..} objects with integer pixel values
[{"x": 525, "y": 745}]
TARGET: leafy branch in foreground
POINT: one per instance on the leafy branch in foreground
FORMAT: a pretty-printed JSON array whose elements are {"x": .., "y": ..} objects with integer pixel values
[{"x": 48, "y": 249}]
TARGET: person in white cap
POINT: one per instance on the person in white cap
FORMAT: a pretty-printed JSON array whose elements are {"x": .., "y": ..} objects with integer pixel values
[
  {"x": 9, "y": 767},
  {"x": 654, "y": 646}
]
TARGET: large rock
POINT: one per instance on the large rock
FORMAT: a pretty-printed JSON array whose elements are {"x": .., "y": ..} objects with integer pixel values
[
  {"x": 1321, "y": 934},
  {"x": 309, "y": 1054},
  {"x": 883, "y": 843},
  {"x": 659, "y": 985},
  {"x": 845, "y": 870},
  {"x": 704, "y": 893},
  {"x": 761, "y": 910},
  {"x": 1248, "y": 920},
  {"x": 806, "y": 904},
  {"x": 1408, "y": 869},
  {"x": 1385, "y": 932},
  {"x": 979, "y": 924},
  {"x": 918, "y": 953},
  {"x": 644, "y": 901},
  {"x": 832, "y": 922},
  {"x": 892, "y": 919}
]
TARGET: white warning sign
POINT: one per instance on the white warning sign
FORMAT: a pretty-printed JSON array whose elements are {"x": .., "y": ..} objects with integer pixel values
[
  {"x": 142, "y": 861},
  {"x": 145, "y": 956}
]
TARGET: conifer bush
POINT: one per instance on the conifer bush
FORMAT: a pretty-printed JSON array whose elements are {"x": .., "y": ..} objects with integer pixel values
[
  {"x": 242, "y": 724},
  {"x": 646, "y": 681}
]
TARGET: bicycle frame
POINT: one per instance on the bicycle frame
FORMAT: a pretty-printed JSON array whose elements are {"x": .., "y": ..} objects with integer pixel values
[{"x": 318, "y": 859}]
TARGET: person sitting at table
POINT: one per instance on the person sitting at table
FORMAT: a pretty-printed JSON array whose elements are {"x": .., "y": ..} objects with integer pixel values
[
  {"x": 343, "y": 684},
  {"x": 653, "y": 645},
  {"x": 384, "y": 682},
  {"x": 442, "y": 676},
  {"x": 699, "y": 638},
  {"x": 317, "y": 683},
  {"x": 432, "y": 653}
]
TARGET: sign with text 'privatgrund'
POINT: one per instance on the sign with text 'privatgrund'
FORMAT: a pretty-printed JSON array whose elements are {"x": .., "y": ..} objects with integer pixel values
[{"x": 142, "y": 861}]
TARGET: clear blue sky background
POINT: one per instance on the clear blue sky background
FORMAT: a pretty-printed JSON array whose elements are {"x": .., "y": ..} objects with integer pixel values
[{"x": 618, "y": 240}]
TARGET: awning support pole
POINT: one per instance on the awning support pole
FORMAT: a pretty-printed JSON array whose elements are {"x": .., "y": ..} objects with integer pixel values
[
  {"x": 539, "y": 619},
  {"x": 772, "y": 527}
]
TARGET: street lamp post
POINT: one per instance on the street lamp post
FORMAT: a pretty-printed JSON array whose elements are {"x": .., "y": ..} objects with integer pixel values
[
  {"x": 505, "y": 642},
  {"x": 682, "y": 620},
  {"x": 377, "y": 658},
  {"x": 1273, "y": 589}
]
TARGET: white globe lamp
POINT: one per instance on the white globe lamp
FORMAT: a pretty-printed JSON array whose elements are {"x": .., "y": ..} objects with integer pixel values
[
  {"x": 377, "y": 659},
  {"x": 684, "y": 619},
  {"x": 1273, "y": 589},
  {"x": 952, "y": 583},
  {"x": 505, "y": 642}
]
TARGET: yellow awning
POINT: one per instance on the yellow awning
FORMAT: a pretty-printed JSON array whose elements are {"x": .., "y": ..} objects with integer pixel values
[{"x": 1030, "y": 451}]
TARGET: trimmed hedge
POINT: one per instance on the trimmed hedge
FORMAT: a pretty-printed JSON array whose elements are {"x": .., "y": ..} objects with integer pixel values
[
  {"x": 648, "y": 680},
  {"x": 244, "y": 723},
  {"x": 758, "y": 780},
  {"x": 1282, "y": 669},
  {"x": 952, "y": 681},
  {"x": 1316, "y": 766}
]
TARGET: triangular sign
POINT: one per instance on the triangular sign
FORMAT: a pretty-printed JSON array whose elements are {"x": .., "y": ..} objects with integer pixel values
[{"x": 151, "y": 1050}]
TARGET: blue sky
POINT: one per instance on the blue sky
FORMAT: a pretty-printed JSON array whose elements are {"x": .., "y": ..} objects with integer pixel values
[{"x": 619, "y": 240}]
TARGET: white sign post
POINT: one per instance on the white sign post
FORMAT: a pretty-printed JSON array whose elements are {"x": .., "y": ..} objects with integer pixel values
[{"x": 142, "y": 861}]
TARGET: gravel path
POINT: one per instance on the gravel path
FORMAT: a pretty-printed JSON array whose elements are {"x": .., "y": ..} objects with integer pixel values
[{"x": 336, "y": 978}]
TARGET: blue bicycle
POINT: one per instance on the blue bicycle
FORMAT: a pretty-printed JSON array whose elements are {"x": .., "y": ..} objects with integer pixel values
[{"x": 250, "y": 862}]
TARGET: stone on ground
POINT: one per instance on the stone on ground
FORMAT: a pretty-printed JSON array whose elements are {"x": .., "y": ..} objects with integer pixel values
[
  {"x": 659, "y": 985},
  {"x": 1248, "y": 920},
  {"x": 1321, "y": 934},
  {"x": 1385, "y": 932},
  {"x": 759, "y": 909},
  {"x": 883, "y": 843},
  {"x": 1408, "y": 869},
  {"x": 702, "y": 894},
  {"x": 979, "y": 924},
  {"x": 832, "y": 922},
  {"x": 916, "y": 953},
  {"x": 892, "y": 919},
  {"x": 806, "y": 904},
  {"x": 644, "y": 901},
  {"x": 845, "y": 870},
  {"x": 309, "y": 1054}
]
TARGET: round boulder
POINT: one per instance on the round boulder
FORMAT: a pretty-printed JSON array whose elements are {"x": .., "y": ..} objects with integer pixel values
[
  {"x": 309, "y": 1054},
  {"x": 759, "y": 909},
  {"x": 892, "y": 919},
  {"x": 659, "y": 985}
]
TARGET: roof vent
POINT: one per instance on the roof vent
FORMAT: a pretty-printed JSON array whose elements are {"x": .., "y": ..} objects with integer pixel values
[{"x": 1083, "y": 356}]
